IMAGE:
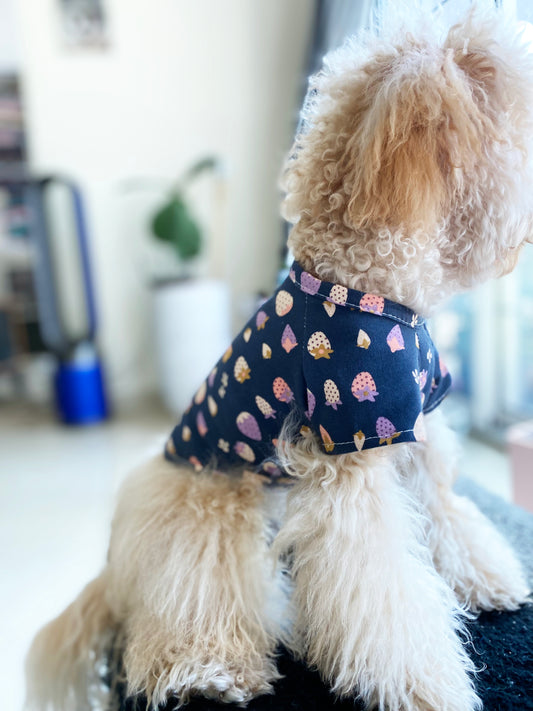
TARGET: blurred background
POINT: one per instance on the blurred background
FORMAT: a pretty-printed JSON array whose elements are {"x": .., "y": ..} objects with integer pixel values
[{"x": 140, "y": 147}]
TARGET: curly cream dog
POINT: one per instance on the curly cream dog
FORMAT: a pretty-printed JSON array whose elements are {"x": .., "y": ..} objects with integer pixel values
[{"x": 409, "y": 181}]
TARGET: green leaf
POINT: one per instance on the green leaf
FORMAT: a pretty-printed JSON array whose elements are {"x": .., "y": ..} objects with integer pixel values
[{"x": 174, "y": 224}]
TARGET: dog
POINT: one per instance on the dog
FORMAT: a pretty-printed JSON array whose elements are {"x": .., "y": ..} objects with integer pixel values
[{"x": 407, "y": 183}]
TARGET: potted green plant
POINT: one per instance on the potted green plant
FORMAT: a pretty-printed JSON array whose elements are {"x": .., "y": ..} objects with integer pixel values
[
  {"x": 191, "y": 314},
  {"x": 173, "y": 223}
]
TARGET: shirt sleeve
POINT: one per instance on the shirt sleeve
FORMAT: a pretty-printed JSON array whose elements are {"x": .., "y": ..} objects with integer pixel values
[{"x": 367, "y": 380}]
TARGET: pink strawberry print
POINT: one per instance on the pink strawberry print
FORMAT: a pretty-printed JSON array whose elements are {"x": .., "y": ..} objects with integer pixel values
[
  {"x": 282, "y": 391},
  {"x": 260, "y": 320},
  {"x": 309, "y": 283},
  {"x": 364, "y": 387},
  {"x": 288, "y": 339},
  {"x": 197, "y": 464},
  {"x": 201, "y": 425},
  {"x": 244, "y": 451},
  {"x": 272, "y": 469},
  {"x": 386, "y": 431},
  {"x": 247, "y": 424},
  {"x": 372, "y": 303},
  {"x": 395, "y": 339},
  {"x": 328, "y": 443}
]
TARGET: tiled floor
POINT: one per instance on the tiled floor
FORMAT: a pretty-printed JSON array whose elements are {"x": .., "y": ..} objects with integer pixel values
[{"x": 57, "y": 487}]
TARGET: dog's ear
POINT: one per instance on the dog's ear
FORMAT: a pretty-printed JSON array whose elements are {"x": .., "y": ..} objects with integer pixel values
[{"x": 422, "y": 133}]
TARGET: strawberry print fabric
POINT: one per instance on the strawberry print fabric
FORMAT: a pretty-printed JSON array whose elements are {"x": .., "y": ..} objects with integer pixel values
[{"x": 357, "y": 370}]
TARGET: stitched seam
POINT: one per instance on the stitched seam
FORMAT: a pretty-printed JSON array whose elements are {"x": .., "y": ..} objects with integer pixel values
[
  {"x": 434, "y": 405},
  {"x": 304, "y": 339},
  {"x": 357, "y": 306},
  {"x": 350, "y": 441}
]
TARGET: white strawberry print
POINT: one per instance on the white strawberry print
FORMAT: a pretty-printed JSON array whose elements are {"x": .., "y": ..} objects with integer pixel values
[
  {"x": 359, "y": 440},
  {"x": 319, "y": 346},
  {"x": 331, "y": 393},
  {"x": 338, "y": 295},
  {"x": 265, "y": 408},
  {"x": 223, "y": 445},
  {"x": 241, "y": 371},
  {"x": 284, "y": 302},
  {"x": 170, "y": 447},
  {"x": 363, "y": 339},
  {"x": 212, "y": 405},
  {"x": 200, "y": 393},
  {"x": 420, "y": 378},
  {"x": 329, "y": 308}
]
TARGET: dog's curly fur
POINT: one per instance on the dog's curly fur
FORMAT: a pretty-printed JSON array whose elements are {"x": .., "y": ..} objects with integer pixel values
[{"x": 409, "y": 180}]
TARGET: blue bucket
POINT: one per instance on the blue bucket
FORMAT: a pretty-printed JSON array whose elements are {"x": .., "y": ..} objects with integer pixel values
[{"x": 80, "y": 391}]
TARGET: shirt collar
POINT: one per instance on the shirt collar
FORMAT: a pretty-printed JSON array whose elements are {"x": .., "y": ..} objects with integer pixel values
[{"x": 351, "y": 298}]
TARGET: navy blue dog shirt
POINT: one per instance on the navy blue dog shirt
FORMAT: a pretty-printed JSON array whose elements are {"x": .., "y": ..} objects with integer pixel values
[{"x": 356, "y": 369}]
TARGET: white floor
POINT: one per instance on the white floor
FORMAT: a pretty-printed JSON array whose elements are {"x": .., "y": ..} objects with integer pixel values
[{"x": 57, "y": 486}]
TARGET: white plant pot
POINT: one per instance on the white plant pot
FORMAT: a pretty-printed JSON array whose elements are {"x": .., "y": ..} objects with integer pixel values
[{"x": 192, "y": 331}]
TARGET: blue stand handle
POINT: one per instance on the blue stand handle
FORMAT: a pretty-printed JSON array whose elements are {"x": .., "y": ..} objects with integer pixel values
[{"x": 79, "y": 381}]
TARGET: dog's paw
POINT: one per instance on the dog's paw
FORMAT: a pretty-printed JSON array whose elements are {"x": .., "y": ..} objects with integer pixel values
[
  {"x": 477, "y": 562},
  {"x": 493, "y": 589},
  {"x": 212, "y": 680},
  {"x": 232, "y": 687}
]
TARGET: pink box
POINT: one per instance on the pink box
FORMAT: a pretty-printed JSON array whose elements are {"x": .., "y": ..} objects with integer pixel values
[{"x": 520, "y": 443}]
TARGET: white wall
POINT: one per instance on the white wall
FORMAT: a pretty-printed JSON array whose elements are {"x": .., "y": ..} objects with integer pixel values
[
  {"x": 9, "y": 41},
  {"x": 179, "y": 80}
]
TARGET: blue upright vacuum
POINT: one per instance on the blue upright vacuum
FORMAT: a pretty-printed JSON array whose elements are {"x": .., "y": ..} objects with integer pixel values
[{"x": 66, "y": 305}]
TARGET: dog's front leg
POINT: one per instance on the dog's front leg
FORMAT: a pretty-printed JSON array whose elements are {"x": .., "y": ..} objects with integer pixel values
[
  {"x": 371, "y": 613},
  {"x": 191, "y": 580},
  {"x": 468, "y": 551}
]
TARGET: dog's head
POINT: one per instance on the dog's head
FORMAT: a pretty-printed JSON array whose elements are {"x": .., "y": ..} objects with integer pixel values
[{"x": 411, "y": 176}]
